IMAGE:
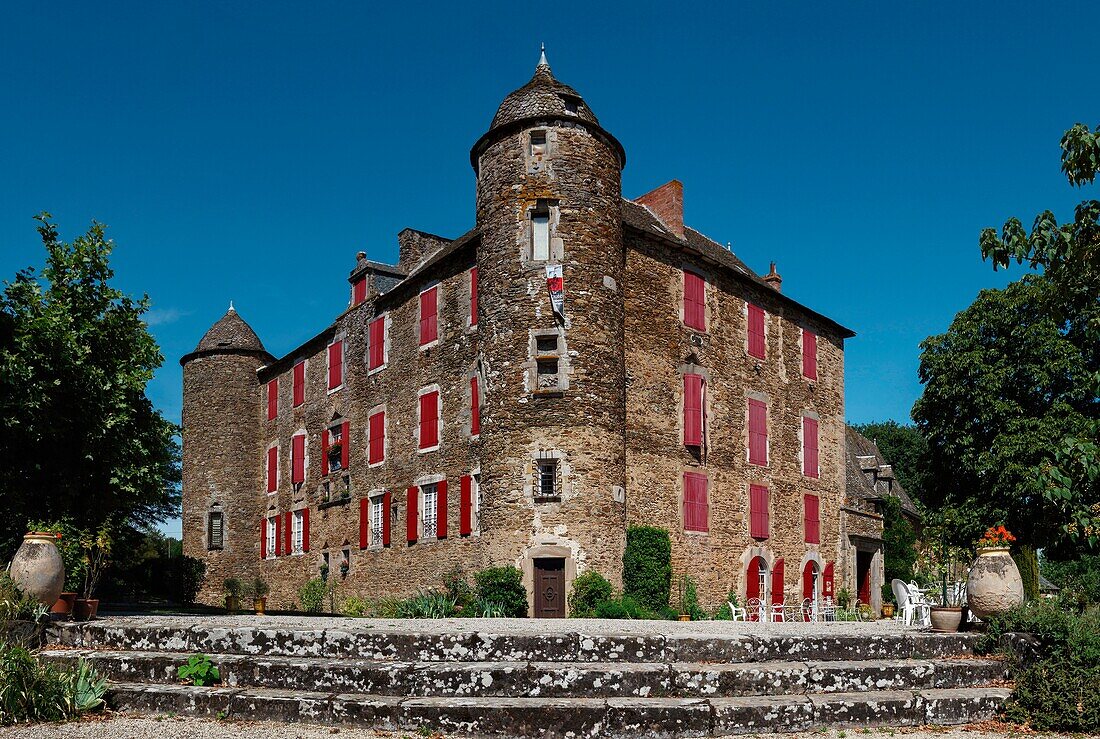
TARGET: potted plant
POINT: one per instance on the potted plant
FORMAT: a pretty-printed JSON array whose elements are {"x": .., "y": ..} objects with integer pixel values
[
  {"x": 232, "y": 594},
  {"x": 947, "y": 616},
  {"x": 887, "y": 601},
  {"x": 68, "y": 544},
  {"x": 96, "y": 546},
  {"x": 844, "y": 598},
  {"x": 994, "y": 585},
  {"x": 259, "y": 595},
  {"x": 335, "y": 455},
  {"x": 21, "y": 615}
]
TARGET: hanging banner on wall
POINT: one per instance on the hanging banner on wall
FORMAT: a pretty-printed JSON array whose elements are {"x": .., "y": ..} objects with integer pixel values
[{"x": 556, "y": 286}]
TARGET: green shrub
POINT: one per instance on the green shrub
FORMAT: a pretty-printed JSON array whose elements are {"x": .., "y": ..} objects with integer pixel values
[
  {"x": 182, "y": 578},
  {"x": 723, "y": 612},
  {"x": 504, "y": 587},
  {"x": 199, "y": 670},
  {"x": 484, "y": 609},
  {"x": 1058, "y": 678},
  {"x": 68, "y": 546},
  {"x": 428, "y": 604},
  {"x": 647, "y": 566},
  {"x": 312, "y": 595},
  {"x": 1079, "y": 579},
  {"x": 33, "y": 691},
  {"x": 688, "y": 594},
  {"x": 355, "y": 607},
  {"x": 17, "y": 606},
  {"x": 899, "y": 542},
  {"x": 589, "y": 590},
  {"x": 625, "y": 607},
  {"x": 456, "y": 586}
]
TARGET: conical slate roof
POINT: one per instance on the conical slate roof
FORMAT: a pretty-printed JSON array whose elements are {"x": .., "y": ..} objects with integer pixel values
[
  {"x": 230, "y": 332},
  {"x": 543, "y": 95}
]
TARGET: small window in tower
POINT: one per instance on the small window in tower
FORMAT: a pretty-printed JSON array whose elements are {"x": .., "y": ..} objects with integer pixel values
[
  {"x": 538, "y": 144},
  {"x": 546, "y": 479},
  {"x": 547, "y": 374},
  {"x": 546, "y": 345},
  {"x": 572, "y": 104},
  {"x": 215, "y": 530},
  {"x": 540, "y": 234}
]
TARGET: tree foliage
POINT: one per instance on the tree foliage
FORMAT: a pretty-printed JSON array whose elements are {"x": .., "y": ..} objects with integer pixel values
[
  {"x": 905, "y": 449},
  {"x": 1068, "y": 255},
  {"x": 899, "y": 542},
  {"x": 1002, "y": 388},
  {"x": 647, "y": 566},
  {"x": 78, "y": 436}
]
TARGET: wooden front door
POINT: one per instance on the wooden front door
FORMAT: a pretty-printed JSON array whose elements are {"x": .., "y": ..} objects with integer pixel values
[{"x": 550, "y": 587}]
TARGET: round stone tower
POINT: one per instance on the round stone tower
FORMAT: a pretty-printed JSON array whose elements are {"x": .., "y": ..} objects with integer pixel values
[
  {"x": 222, "y": 452},
  {"x": 550, "y": 266}
]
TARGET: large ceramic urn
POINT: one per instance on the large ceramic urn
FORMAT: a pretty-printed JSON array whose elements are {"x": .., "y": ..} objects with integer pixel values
[
  {"x": 994, "y": 585},
  {"x": 37, "y": 568}
]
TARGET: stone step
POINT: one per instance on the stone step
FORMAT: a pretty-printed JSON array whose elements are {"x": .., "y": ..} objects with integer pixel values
[
  {"x": 549, "y": 679},
  {"x": 545, "y": 718},
  {"x": 269, "y": 638}
]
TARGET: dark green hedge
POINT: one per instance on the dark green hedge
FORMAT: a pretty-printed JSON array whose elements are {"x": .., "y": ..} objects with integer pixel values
[
  {"x": 589, "y": 591},
  {"x": 647, "y": 567},
  {"x": 503, "y": 586}
]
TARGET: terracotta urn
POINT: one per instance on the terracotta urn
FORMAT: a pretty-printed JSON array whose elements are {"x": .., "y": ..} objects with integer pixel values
[
  {"x": 994, "y": 585},
  {"x": 37, "y": 568}
]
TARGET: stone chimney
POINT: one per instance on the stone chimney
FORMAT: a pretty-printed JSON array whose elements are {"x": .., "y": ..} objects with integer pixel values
[
  {"x": 667, "y": 203},
  {"x": 774, "y": 280}
]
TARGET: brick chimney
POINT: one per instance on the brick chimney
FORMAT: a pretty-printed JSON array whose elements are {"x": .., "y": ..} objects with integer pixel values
[
  {"x": 774, "y": 280},
  {"x": 667, "y": 203}
]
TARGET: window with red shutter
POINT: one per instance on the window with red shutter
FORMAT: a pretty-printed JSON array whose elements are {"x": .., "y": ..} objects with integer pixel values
[
  {"x": 298, "y": 458},
  {"x": 376, "y": 339},
  {"x": 386, "y": 515},
  {"x": 412, "y": 496},
  {"x": 345, "y": 445},
  {"x": 694, "y": 301},
  {"x": 809, "y": 354},
  {"x": 305, "y": 529},
  {"x": 335, "y": 364},
  {"x": 827, "y": 580},
  {"x": 813, "y": 519},
  {"x": 278, "y": 534},
  {"x": 693, "y": 410},
  {"x": 263, "y": 538},
  {"x": 272, "y": 399},
  {"x": 272, "y": 469},
  {"x": 756, "y": 331},
  {"x": 299, "y": 383},
  {"x": 359, "y": 291},
  {"x": 810, "y": 464},
  {"x": 376, "y": 442},
  {"x": 429, "y": 329},
  {"x": 473, "y": 296},
  {"x": 429, "y": 420},
  {"x": 288, "y": 533},
  {"x": 695, "y": 502},
  {"x": 758, "y": 512},
  {"x": 465, "y": 520},
  {"x": 475, "y": 407},
  {"x": 758, "y": 432},
  {"x": 326, "y": 466},
  {"x": 441, "y": 510}
]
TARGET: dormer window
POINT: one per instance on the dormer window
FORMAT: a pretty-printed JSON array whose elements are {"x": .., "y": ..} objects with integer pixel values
[{"x": 572, "y": 104}]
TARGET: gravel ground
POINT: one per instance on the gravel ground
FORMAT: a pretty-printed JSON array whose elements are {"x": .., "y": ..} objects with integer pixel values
[{"x": 132, "y": 727}]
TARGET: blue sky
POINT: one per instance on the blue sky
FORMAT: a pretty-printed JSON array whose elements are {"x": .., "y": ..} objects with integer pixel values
[{"x": 247, "y": 150}]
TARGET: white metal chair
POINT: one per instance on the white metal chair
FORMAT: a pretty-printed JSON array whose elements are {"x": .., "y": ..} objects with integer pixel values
[
  {"x": 808, "y": 611},
  {"x": 828, "y": 609},
  {"x": 922, "y": 605},
  {"x": 737, "y": 613},
  {"x": 777, "y": 613},
  {"x": 754, "y": 609},
  {"x": 906, "y": 607}
]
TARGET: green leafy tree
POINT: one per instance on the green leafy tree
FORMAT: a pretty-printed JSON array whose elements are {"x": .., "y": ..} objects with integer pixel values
[
  {"x": 1002, "y": 388},
  {"x": 906, "y": 449},
  {"x": 899, "y": 542},
  {"x": 79, "y": 438},
  {"x": 1068, "y": 254}
]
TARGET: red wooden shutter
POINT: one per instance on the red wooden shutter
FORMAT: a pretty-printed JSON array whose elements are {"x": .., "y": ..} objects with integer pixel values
[
  {"x": 695, "y": 502},
  {"x": 758, "y": 432},
  {"x": 777, "y": 581},
  {"x": 263, "y": 538},
  {"x": 428, "y": 326},
  {"x": 324, "y": 451},
  {"x": 305, "y": 529},
  {"x": 813, "y": 519},
  {"x": 299, "y": 383},
  {"x": 827, "y": 580},
  {"x": 278, "y": 537},
  {"x": 429, "y": 419},
  {"x": 335, "y": 365},
  {"x": 441, "y": 510},
  {"x": 809, "y": 354},
  {"x": 359, "y": 291},
  {"x": 808, "y": 580},
  {"x": 758, "y": 512},
  {"x": 475, "y": 409},
  {"x": 377, "y": 338},
  {"x": 752, "y": 584},
  {"x": 272, "y": 469},
  {"x": 693, "y": 410},
  {"x": 694, "y": 301},
  {"x": 288, "y": 532},
  {"x": 364, "y": 522},
  {"x": 411, "y": 501},
  {"x": 386, "y": 512},
  {"x": 377, "y": 447},
  {"x": 345, "y": 444},
  {"x": 465, "y": 506},
  {"x": 756, "y": 331},
  {"x": 473, "y": 296},
  {"x": 298, "y": 458},
  {"x": 810, "y": 461},
  {"x": 272, "y": 398}
]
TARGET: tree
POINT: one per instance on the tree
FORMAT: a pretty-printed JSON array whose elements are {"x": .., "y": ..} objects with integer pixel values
[
  {"x": 1069, "y": 256},
  {"x": 899, "y": 543},
  {"x": 1002, "y": 388},
  {"x": 78, "y": 436},
  {"x": 905, "y": 449}
]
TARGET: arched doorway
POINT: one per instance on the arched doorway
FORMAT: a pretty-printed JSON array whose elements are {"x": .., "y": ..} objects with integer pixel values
[
  {"x": 756, "y": 586},
  {"x": 811, "y": 589}
]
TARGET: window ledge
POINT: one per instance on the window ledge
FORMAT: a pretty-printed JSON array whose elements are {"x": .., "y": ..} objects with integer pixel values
[
  {"x": 547, "y": 498},
  {"x": 333, "y": 503},
  {"x": 548, "y": 393}
]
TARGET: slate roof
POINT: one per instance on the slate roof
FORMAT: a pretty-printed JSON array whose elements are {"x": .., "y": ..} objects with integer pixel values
[
  {"x": 230, "y": 331},
  {"x": 863, "y": 453},
  {"x": 542, "y": 96}
]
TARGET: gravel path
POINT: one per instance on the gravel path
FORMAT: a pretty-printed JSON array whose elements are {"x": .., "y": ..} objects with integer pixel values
[{"x": 131, "y": 727}]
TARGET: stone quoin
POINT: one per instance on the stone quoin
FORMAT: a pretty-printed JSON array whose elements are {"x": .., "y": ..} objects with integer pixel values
[{"x": 575, "y": 364}]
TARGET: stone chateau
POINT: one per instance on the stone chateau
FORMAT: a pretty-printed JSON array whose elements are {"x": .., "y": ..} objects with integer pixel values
[{"x": 575, "y": 364}]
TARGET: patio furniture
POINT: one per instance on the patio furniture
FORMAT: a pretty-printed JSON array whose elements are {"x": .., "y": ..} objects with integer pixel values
[
  {"x": 777, "y": 613},
  {"x": 828, "y": 609},
  {"x": 809, "y": 610},
  {"x": 922, "y": 605},
  {"x": 906, "y": 605},
  {"x": 737, "y": 613},
  {"x": 754, "y": 609}
]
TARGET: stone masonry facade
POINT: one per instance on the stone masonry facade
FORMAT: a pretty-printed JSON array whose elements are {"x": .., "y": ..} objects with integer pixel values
[{"x": 574, "y": 365}]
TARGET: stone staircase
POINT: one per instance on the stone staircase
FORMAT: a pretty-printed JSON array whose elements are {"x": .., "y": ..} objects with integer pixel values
[{"x": 482, "y": 678}]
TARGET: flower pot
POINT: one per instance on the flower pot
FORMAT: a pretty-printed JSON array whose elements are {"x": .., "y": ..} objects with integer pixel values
[
  {"x": 945, "y": 619},
  {"x": 232, "y": 603},
  {"x": 37, "y": 568},
  {"x": 684, "y": 617},
  {"x": 84, "y": 609},
  {"x": 994, "y": 585},
  {"x": 259, "y": 605},
  {"x": 887, "y": 610},
  {"x": 63, "y": 606}
]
